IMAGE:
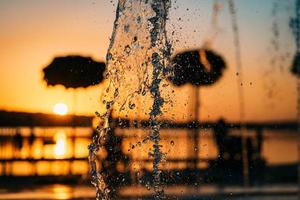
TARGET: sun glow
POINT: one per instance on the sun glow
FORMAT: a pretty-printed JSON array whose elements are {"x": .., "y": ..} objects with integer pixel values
[
  {"x": 60, "y": 109},
  {"x": 60, "y": 146}
]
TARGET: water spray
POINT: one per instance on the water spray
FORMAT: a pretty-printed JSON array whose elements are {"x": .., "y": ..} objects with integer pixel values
[{"x": 239, "y": 73}]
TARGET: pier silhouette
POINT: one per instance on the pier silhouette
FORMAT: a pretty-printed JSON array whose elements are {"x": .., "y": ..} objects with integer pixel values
[{"x": 224, "y": 169}]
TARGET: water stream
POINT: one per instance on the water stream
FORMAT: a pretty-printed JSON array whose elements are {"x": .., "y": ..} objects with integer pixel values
[
  {"x": 137, "y": 63},
  {"x": 241, "y": 98}
]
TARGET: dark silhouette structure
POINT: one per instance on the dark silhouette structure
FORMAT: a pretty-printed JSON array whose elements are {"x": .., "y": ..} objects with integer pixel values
[
  {"x": 197, "y": 67},
  {"x": 219, "y": 170},
  {"x": 228, "y": 167},
  {"x": 221, "y": 135},
  {"x": 18, "y": 119},
  {"x": 295, "y": 69},
  {"x": 74, "y": 72},
  {"x": 18, "y": 143}
]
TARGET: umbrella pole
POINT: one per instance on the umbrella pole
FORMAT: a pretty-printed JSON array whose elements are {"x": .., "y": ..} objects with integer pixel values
[
  {"x": 73, "y": 127},
  {"x": 196, "y": 130},
  {"x": 74, "y": 102}
]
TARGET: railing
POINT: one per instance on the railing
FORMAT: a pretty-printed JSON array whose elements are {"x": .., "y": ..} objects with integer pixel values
[{"x": 122, "y": 124}]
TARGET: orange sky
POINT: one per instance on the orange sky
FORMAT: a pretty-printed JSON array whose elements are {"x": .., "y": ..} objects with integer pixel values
[{"x": 33, "y": 32}]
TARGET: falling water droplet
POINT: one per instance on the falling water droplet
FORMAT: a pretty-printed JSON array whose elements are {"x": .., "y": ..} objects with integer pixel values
[
  {"x": 131, "y": 105},
  {"x": 127, "y": 49}
]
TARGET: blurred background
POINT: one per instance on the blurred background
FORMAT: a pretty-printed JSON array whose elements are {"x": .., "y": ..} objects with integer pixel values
[{"x": 232, "y": 132}]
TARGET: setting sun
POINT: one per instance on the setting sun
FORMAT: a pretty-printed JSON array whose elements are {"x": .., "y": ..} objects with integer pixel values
[{"x": 60, "y": 109}]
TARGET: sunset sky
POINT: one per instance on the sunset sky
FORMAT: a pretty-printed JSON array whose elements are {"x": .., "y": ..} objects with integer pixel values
[{"x": 34, "y": 31}]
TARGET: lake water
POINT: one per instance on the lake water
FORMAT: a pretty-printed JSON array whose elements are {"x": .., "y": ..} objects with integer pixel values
[{"x": 80, "y": 192}]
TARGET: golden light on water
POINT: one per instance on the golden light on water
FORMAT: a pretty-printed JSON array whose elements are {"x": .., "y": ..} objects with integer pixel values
[
  {"x": 60, "y": 145},
  {"x": 60, "y": 109}
]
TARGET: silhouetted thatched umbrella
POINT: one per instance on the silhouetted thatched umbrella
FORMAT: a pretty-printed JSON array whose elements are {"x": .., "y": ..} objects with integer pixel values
[
  {"x": 197, "y": 67},
  {"x": 74, "y": 72}
]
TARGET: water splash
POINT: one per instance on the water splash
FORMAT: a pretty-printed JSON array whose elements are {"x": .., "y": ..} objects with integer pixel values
[
  {"x": 137, "y": 64},
  {"x": 98, "y": 178}
]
